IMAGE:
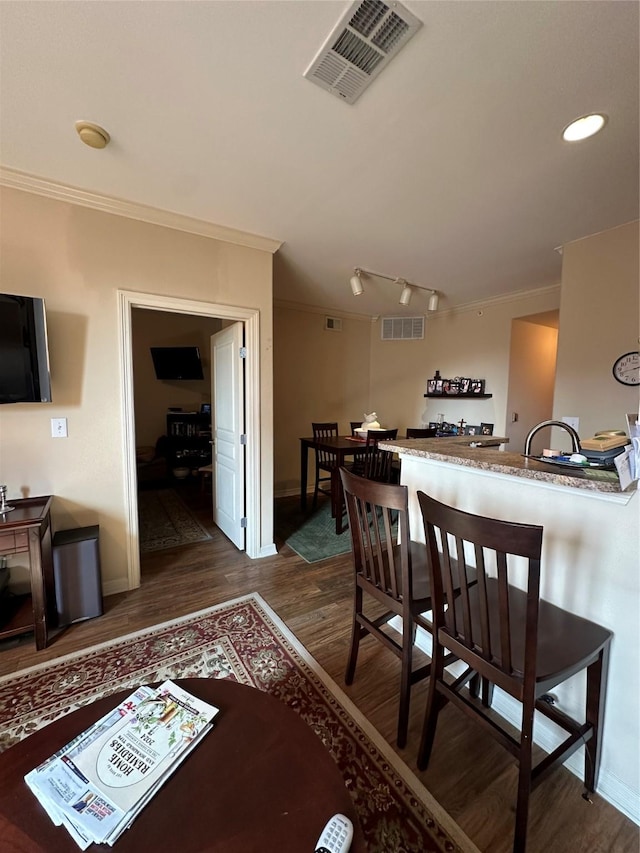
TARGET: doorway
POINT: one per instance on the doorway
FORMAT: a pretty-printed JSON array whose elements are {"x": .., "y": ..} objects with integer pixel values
[
  {"x": 532, "y": 372},
  {"x": 128, "y": 300}
]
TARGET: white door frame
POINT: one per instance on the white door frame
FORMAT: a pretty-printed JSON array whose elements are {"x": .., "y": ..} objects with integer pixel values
[{"x": 251, "y": 319}]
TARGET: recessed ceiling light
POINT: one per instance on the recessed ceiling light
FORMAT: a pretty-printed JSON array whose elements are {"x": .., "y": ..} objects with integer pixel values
[{"x": 584, "y": 127}]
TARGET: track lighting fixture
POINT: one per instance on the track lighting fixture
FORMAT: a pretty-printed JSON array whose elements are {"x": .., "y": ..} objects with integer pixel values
[{"x": 357, "y": 287}]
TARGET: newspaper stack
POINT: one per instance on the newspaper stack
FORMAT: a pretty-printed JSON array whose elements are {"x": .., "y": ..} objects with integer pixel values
[{"x": 98, "y": 783}]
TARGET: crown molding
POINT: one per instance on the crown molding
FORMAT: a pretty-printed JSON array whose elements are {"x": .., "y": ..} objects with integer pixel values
[
  {"x": 504, "y": 298},
  {"x": 477, "y": 305},
  {"x": 318, "y": 309},
  {"x": 143, "y": 213}
]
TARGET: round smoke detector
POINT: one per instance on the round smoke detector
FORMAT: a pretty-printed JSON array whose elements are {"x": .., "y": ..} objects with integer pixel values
[{"x": 92, "y": 134}]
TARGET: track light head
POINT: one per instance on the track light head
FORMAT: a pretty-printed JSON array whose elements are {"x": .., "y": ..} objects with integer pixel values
[
  {"x": 433, "y": 301},
  {"x": 356, "y": 284},
  {"x": 407, "y": 293}
]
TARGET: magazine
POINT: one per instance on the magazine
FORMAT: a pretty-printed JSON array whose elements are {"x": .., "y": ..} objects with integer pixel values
[{"x": 98, "y": 783}]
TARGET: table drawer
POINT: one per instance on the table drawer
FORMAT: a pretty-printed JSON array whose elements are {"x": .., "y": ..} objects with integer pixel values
[{"x": 14, "y": 542}]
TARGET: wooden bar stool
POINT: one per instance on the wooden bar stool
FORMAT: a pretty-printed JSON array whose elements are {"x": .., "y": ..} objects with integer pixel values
[{"x": 510, "y": 637}]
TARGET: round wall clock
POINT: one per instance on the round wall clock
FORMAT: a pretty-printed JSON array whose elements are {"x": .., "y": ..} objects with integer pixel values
[{"x": 626, "y": 368}]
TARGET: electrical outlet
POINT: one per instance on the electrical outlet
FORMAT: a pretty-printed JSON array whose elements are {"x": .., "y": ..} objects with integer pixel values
[
  {"x": 59, "y": 427},
  {"x": 572, "y": 422}
]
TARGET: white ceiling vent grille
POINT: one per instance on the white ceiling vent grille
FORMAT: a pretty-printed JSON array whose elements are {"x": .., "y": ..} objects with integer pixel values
[
  {"x": 402, "y": 328},
  {"x": 333, "y": 324},
  {"x": 363, "y": 42}
]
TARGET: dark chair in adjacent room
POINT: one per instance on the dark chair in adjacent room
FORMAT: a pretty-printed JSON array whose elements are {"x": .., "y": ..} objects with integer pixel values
[
  {"x": 354, "y": 425},
  {"x": 421, "y": 432},
  {"x": 513, "y": 639},
  {"x": 377, "y": 462},
  {"x": 391, "y": 569},
  {"x": 325, "y": 462},
  {"x": 412, "y": 432}
]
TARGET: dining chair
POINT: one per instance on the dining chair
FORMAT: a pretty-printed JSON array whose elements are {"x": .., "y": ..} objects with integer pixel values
[
  {"x": 391, "y": 570},
  {"x": 325, "y": 461},
  {"x": 354, "y": 425},
  {"x": 512, "y": 638},
  {"x": 377, "y": 462},
  {"x": 421, "y": 432}
]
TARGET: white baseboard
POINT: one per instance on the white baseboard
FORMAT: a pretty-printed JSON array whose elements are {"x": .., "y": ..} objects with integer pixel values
[{"x": 545, "y": 735}]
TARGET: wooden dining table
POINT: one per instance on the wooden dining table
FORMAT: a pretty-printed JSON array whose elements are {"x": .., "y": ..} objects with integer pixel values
[{"x": 343, "y": 447}]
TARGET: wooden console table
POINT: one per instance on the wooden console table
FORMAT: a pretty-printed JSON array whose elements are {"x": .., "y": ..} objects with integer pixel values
[{"x": 27, "y": 529}]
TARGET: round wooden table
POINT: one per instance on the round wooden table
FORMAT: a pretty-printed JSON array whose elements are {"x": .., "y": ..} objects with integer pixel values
[{"x": 261, "y": 780}]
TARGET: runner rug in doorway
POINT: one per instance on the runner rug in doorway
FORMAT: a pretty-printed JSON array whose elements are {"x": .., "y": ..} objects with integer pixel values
[
  {"x": 166, "y": 522},
  {"x": 245, "y": 640}
]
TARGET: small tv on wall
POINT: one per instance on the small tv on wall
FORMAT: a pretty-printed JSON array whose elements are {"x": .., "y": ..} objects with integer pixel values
[
  {"x": 24, "y": 352},
  {"x": 177, "y": 363}
]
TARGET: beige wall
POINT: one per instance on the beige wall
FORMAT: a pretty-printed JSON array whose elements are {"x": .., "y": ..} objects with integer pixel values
[
  {"x": 599, "y": 321},
  {"x": 472, "y": 342},
  {"x": 152, "y": 396},
  {"x": 78, "y": 259},
  {"x": 323, "y": 375},
  {"x": 319, "y": 375}
]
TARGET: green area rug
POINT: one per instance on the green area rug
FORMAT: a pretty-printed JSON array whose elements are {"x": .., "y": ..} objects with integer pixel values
[
  {"x": 314, "y": 537},
  {"x": 166, "y": 522}
]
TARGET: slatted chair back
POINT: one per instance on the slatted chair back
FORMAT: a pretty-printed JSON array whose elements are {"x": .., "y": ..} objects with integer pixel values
[
  {"x": 377, "y": 463},
  {"x": 473, "y": 627},
  {"x": 328, "y": 429},
  {"x": 325, "y": 461},
  {"x": 421, "y": 432},
  {"x": 354, "y": 425},
  {"x": 378, "y": 518}
]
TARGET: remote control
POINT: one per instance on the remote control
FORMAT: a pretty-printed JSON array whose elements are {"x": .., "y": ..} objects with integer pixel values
[{"x": 336, "y": 836}]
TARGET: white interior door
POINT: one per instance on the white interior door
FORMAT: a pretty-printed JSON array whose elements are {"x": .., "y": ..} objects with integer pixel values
[{"x": 227, "y": 421}]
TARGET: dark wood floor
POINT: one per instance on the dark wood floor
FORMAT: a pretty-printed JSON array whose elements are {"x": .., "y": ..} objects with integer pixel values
[{"x": 471, "y": 776}]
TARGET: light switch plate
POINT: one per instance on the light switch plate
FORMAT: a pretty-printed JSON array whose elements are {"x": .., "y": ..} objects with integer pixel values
[
  {"x": 572, "y": 422},
  {"x": 59, "y": 427}
]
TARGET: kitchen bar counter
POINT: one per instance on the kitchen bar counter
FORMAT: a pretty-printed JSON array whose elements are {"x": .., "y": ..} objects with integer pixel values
[{"x": 457, "y": 450}]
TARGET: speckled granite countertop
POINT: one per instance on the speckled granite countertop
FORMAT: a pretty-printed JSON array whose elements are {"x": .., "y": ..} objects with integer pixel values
[{"x": 457, "y": 451}]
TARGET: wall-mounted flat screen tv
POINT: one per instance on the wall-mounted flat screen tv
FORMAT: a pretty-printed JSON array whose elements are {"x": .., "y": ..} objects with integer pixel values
[
  {"x": 177, "y": 362},
  {"x": 24, "y": 354}
]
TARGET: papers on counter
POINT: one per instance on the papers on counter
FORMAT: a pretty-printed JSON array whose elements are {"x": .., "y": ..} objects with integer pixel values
[{"x": 628, "y": 464}]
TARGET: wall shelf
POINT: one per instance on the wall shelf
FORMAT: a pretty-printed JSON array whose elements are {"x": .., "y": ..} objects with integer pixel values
[{"x": 458, "y": 396}]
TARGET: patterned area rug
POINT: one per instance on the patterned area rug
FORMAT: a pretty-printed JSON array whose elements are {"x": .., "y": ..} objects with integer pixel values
[
  {"x": 165, "y": 521},
  {"x": 245, "y": 640}
]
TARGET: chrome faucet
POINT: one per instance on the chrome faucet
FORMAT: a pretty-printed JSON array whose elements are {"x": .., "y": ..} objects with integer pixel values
[{"x": 575, "y": 438}]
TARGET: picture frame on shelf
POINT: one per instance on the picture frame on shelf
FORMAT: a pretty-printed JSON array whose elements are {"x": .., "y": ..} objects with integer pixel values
[
  {"x": 454, "y": 386},
  {"x": 486, "y": 429},
  {"x": 465, "y": 385},
  {"x": 472, "y": 429},
  {"x": 477, "y": 386},
  {"x": 431, "y": 386}
]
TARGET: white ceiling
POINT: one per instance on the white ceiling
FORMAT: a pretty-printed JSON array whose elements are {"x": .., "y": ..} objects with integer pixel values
[{"x": 449, "y": 171}]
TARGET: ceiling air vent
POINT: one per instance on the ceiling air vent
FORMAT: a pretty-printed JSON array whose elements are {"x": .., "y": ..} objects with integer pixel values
[
  {"x": 363, "y": 42},
  {"x": 333, "y": 324},
  {"x": 402, "y": 328}
]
